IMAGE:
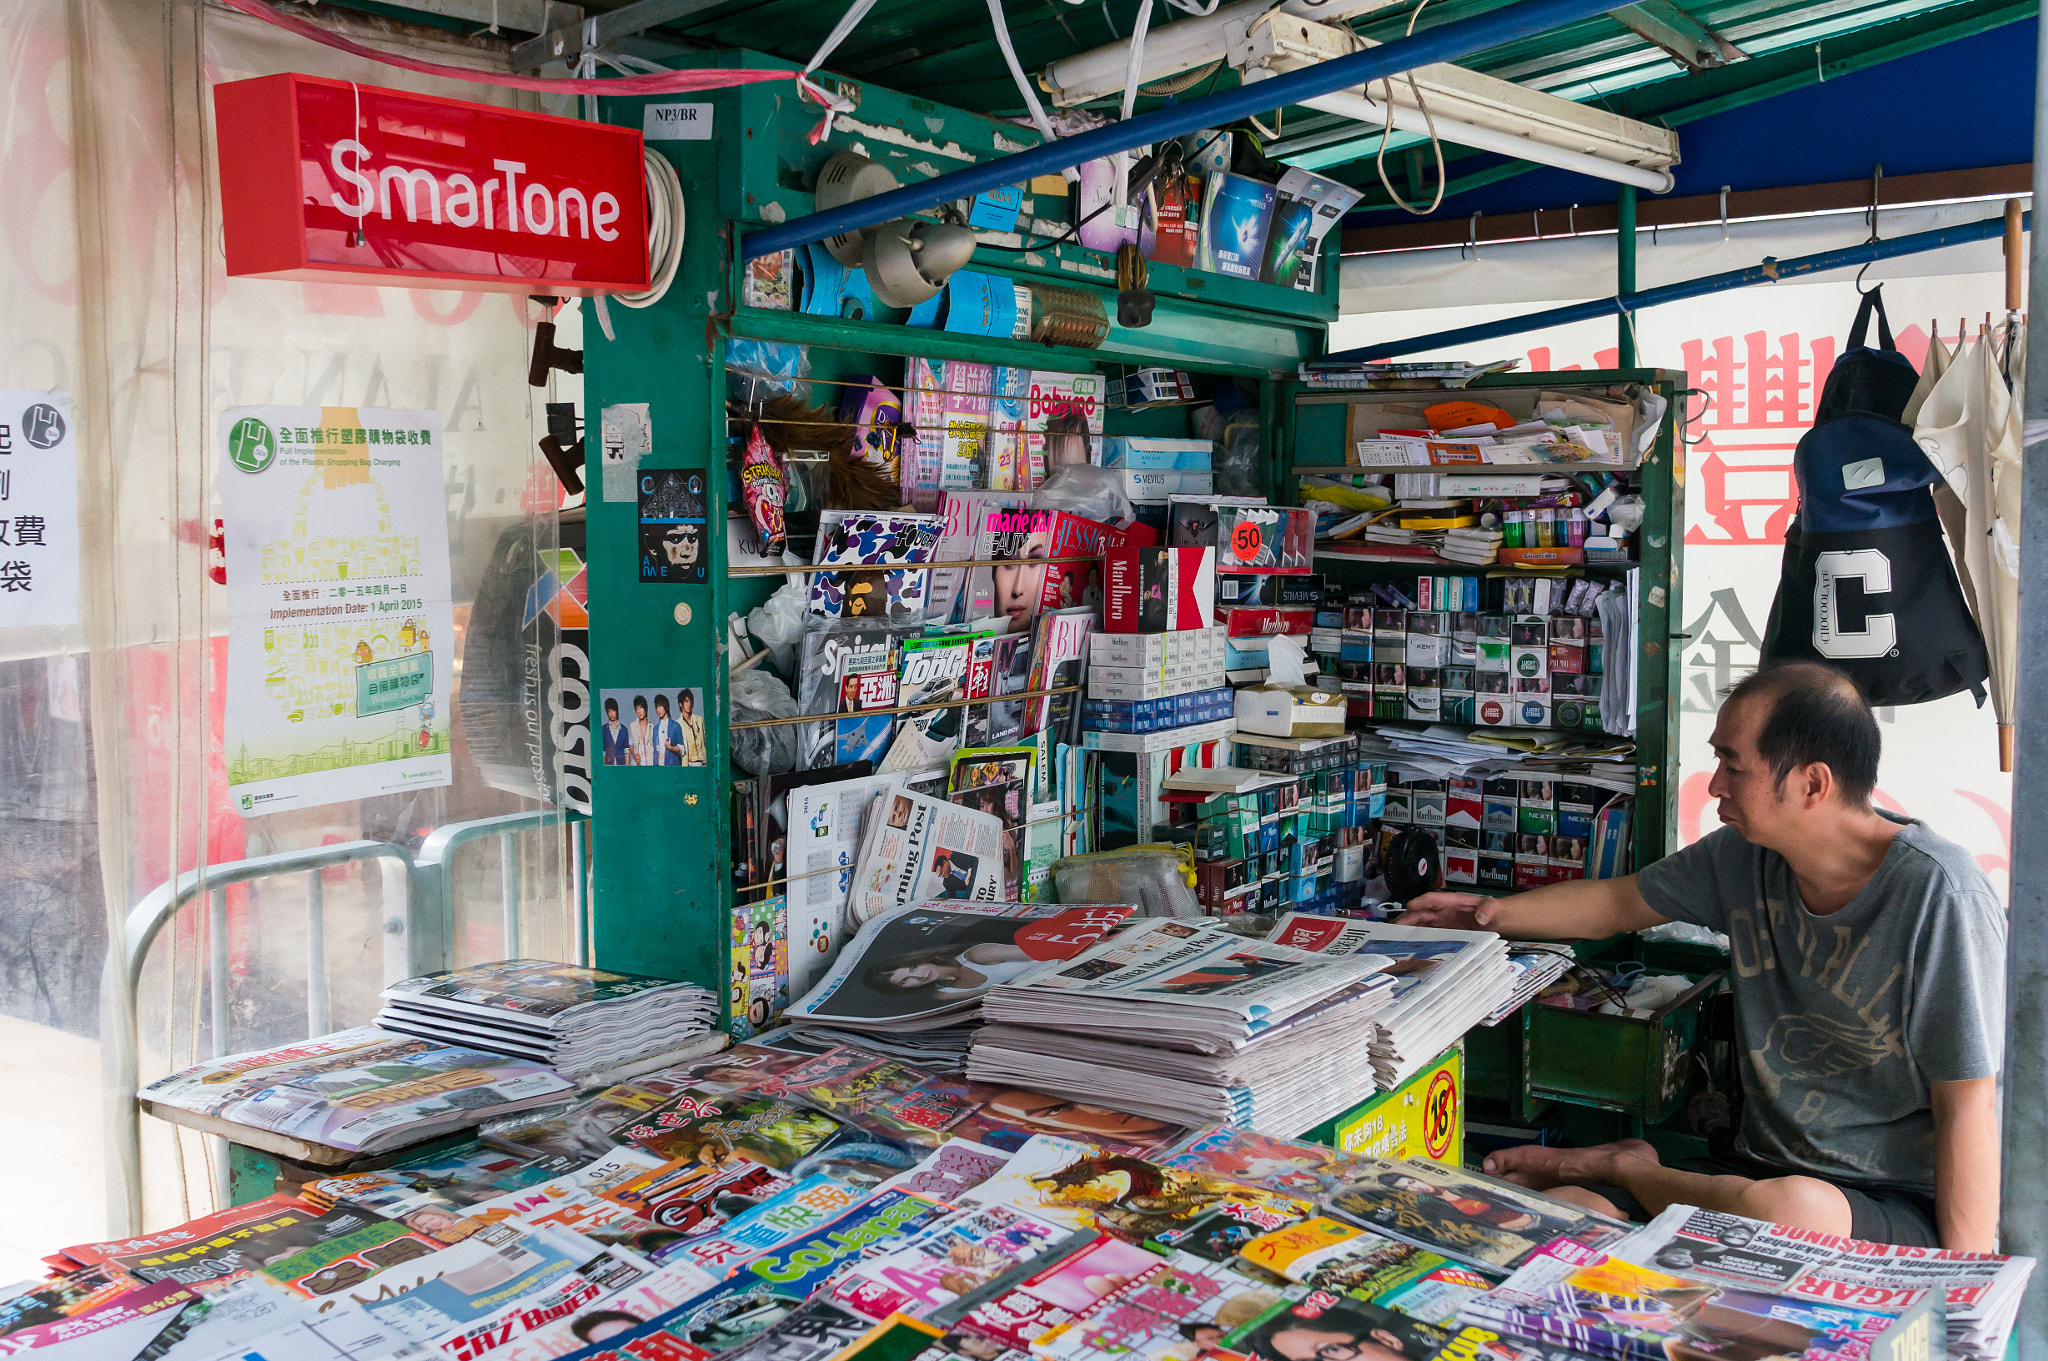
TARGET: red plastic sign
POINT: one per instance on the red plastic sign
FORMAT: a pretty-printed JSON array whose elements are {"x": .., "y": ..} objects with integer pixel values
[{"x": 322, "y": 179}]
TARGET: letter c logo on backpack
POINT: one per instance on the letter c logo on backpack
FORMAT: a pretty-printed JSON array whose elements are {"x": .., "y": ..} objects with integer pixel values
[{"x": 1871, "y": 570}]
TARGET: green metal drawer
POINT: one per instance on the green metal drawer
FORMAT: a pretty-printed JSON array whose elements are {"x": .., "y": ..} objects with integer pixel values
[{"x": 1639, "y": 1066}]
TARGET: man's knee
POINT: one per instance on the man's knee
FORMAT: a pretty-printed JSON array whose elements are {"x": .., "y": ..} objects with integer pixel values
[{"x": 1802, "y": 1202}]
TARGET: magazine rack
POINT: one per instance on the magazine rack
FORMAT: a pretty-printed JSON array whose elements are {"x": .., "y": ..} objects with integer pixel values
[{"x": 662, "y": 888}]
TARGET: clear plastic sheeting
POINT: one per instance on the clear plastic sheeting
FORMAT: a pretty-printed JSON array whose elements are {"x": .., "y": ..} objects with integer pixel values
[{"x": 113, "y": 288}]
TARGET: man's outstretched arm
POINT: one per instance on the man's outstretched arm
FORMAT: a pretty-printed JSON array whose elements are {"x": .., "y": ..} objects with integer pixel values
[
  {"x": 1966, "y": 1153},
  {"x": 1583, "y": 909}
]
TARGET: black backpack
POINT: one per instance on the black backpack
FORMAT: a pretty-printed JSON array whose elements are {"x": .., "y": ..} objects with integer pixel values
[{"x": 1865, "y": 557}]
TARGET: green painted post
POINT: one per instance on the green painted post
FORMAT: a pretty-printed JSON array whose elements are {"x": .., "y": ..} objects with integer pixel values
[{"x": 1625, "y": 272}]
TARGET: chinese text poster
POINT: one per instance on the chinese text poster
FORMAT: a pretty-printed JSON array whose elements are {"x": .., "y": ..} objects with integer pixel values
[
  {"x": 38, "y": 509},
  {"x": 340, "y": 620}
]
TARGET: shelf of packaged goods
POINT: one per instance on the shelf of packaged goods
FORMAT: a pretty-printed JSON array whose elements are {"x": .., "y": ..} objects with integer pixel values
[{"x": 906, "y": 708}]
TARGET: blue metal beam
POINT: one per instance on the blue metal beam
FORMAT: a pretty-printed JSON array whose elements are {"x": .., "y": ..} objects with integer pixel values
[
  {"x": 1447, "y": 42},
  {"x": 1769, "y": 272}
]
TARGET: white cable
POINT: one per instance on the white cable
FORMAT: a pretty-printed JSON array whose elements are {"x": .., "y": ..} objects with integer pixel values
[
  {"x": 1134, "y": 71},
  {"x": 1193, "y": 7},
  {"x": 834, "y": 104},
  {"x": 1038, "y": 118},
  {"x": 666, "y": 219}
]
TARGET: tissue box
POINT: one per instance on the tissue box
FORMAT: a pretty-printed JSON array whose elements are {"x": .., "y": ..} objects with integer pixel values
[
  {"x": 1156, "y": 455},
  {"x": 1282, "y": 711},
  {"x": 1158, "y": 590}
]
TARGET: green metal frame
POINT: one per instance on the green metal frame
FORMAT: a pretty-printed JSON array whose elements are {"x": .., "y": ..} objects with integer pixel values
[{"x": 662, "y": 890}]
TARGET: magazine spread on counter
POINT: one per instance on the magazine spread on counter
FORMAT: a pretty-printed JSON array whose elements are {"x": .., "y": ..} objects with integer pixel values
[{"x": 359, "y": 1090}]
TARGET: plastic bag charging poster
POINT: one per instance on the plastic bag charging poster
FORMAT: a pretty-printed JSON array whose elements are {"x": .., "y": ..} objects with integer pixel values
[{"x": 340, "y": 619}]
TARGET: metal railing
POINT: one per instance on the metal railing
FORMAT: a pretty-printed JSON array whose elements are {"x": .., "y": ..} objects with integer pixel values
[{"x": 418, "y": 928}]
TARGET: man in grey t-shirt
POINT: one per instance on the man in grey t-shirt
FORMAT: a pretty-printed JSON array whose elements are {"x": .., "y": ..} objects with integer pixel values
[{"x": 1868, "y": 966}]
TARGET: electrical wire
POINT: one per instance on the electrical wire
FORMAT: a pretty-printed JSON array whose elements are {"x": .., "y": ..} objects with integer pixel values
[
  {"x": 666, "y": 222},
  {"x": 1379, "y": 160},
  {"x": 1037, "y": 110},
  {"x": 1074, "y": 231}
]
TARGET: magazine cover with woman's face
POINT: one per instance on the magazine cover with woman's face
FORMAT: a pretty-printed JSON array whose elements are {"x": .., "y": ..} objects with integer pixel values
[{"x": 932, "y": 958}]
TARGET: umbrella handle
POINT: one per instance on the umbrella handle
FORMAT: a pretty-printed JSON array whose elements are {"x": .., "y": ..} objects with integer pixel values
[
  {"x": 2015, "y": 256},
  {"x": 2005, "y": 749}
]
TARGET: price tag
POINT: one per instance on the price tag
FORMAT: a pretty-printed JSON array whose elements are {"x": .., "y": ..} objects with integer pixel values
[{"x": 1247, "y": 541}]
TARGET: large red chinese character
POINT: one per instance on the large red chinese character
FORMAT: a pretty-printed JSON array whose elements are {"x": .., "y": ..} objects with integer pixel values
[
  {"x": 1750, "y": 501},
  {"x": 1778, "y": 391},
  {"x": 1714, "y": 376}
]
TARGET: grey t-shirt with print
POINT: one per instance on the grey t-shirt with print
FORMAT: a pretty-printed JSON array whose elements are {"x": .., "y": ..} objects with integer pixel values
[{"x": 1844, "y": 1019}]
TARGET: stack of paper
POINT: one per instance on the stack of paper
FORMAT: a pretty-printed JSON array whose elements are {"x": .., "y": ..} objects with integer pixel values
[
  {"x": 1536, "y": 967},
  {"x": 1446, "y": 982},
  {"x": 578, "y": 1021},
  {"x": 1981, "y": 1290},
  {"x": 1180, "y": 1020}
]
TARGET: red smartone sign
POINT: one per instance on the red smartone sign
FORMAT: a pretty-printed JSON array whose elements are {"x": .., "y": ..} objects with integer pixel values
[{"x": 322, "y": 179}]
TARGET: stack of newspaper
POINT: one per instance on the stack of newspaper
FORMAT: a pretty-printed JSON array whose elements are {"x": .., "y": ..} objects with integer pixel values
[
  {"x": 1445, "y": 983},
  {"x": 1175, "y": 1019},
  {"x": 1536, "y": 965},
  {"x": 1982, "y": 1291},
  {"x": 580, "y": 1021},
  {"x": 927, "y": 967},
  {"x": 360, "y": 1090}
]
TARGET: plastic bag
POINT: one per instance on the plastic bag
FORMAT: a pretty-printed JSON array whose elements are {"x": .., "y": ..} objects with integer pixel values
[
  {"x": 1160, "y": 879},
  {"x": 755, "y": 369},
  {"x": 777, "y": 623},
  {"x": 1240, "y": 469},
  {"x": 1087, "y": 491},
  {"x": 756, "y": 695},
  {"x": 1685, "y": 933}
]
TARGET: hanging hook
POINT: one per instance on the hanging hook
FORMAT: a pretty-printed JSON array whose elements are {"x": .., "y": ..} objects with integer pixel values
[
  {"x": 1724, "y": 212},
  {"x": 1572, "y": 219},
  {"x": 1536, "y": 220},
  {"x": 1876, "y": 185},
  {"x": 1471, "y": 237},
  {"x": 1861, "y": 291}
]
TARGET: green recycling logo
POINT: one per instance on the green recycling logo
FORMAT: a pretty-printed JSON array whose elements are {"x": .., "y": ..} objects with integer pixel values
[{"x": 251, "y": 445}]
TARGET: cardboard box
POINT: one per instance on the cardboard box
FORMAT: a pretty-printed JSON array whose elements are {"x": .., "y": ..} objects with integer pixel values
[
  {"x": 1158, "y": 590},
  {"x": 1281, "y": 712}
]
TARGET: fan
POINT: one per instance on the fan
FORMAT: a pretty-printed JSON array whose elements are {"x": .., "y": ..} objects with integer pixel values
[
  {"x": 1412, "y": 865},
  {"x": 906, "y": 260}
]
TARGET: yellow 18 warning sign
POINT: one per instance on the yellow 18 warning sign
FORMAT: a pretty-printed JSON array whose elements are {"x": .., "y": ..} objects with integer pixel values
[{"x": 1422, "y": 1118}]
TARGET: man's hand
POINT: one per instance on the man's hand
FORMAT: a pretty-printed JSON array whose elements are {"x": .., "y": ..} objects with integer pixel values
[
  {"x": 1452, "y": 911},
  {"x": 1582, "y": 909}
]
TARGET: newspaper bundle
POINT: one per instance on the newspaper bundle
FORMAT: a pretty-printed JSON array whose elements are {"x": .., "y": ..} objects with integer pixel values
[
  {"x": 1174, "y": 1018},
  {"x": 917, "y": 849},
  {"x": 360, "y": 1090},
  {"x": 1445, "y": 983},
  {"x": 1980, "y": 1290},
  {"x": 1573, "y": 1296},
  {"x": 575, "y": 1019},
  {"x": 932, "y": 964}
]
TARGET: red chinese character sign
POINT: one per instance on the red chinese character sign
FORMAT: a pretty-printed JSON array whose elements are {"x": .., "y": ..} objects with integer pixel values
[{"x": 345, "y": 183}]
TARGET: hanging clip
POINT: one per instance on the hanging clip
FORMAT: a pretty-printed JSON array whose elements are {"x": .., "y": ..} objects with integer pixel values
[
  {"x": 1572, "y": 219},
  {"x": 1471, "y": 238},
  {"x": 1724, "y": 212},
  {"x": 1536, "y": 218}
]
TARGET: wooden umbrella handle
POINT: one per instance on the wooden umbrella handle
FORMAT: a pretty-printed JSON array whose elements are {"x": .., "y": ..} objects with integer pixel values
[
  {"x": 2005, "y": 749},
  {"x": 2015, "y": 255}
]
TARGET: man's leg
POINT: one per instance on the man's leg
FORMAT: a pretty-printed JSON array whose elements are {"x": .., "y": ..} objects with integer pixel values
[{"x": 1632, "y": 1165}]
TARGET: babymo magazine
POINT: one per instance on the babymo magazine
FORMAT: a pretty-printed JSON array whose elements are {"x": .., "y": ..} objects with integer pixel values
[
  {"x": 1464, "y": 1216},
  {"x": 361, "y": 1090},
  {"x": 938, "y": 959},
  {"x": 917, "y": 849}
]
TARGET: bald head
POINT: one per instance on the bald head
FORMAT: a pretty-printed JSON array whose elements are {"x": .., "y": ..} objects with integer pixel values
[{"x": 1807, "y": 713}]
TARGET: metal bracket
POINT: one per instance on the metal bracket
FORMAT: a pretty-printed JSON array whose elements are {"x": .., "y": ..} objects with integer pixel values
[
  {"x": 569, "y": 42},
  {"x": 1690, "y": 42}
]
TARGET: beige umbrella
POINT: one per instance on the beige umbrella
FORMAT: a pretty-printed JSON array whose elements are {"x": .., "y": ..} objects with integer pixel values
[
  {"x": 1947, "y": 505},
  {"x": 1969, "y": 424}
]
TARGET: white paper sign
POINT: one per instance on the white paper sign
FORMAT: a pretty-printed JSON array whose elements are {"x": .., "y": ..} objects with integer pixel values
[
  {"x": 340, "y": 622},
  {"x": 676, "y": 122},
  {"x": 38, "y": 509}
]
